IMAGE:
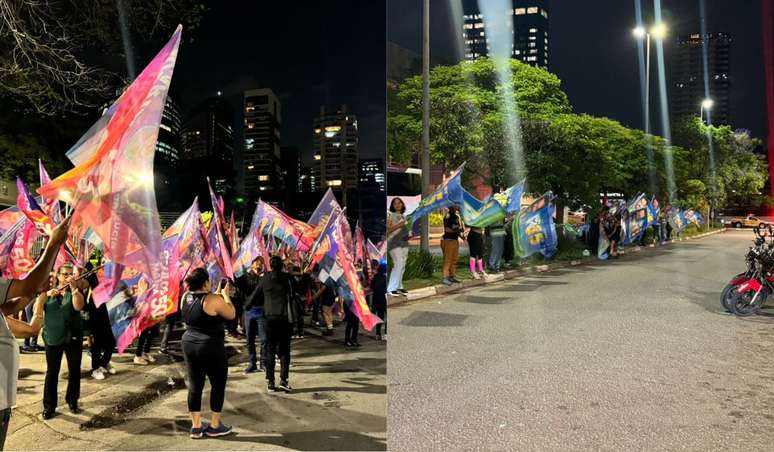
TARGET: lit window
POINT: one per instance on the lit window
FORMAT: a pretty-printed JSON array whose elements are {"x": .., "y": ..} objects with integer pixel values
[
  {"x": 544, "y": 13},
  {"x": 532, "y": 58},
  {"x": 263, "y": 188},
  {"x": 316, "y": 130},
  {"x": 517, "y": 52},
  {"x": 468, "y": 26},
  {"x": 532, "y": 10},
  {"x": 478, "y": 25},
  {"x": 532, "y": 38},
  {"x": 263, "y": 178},
  {"x": 250, "y": 125},
  {"x": 481, "y": 34},
  {"x": 519, "y": 11},
  {"x": 532, "y": 51},
  {"x": 532, "y": 44},
  {"x": 334, "y": 183},
  {"x": 533, "y": 30},
  {"x": 317, "y": 157},
  {"x": 250, "y": 166}
]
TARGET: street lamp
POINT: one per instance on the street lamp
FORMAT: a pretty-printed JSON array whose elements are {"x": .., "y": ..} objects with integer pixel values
[
  {"x": 706, "y": 104},
  {"x": 659, "y": 30}
]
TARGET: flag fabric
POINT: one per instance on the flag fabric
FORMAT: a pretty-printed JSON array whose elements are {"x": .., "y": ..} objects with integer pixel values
[
  {"x": 510, "y": 199},
  {"x": 8, "y": 218},
  {"x": 253, "y": 246},
  {"x": 327, "y": 206},
  {"x": 50, "y": 206},
  {"x": 337, "y": 269},
  {"x": 677, "y": 219},
  {"x": 361, "y": 250},
  {"x": 374, "y": 252},
  {"x": 220, "y": 244},
  {"x": 480, "y": 214},
  {"x": 534, "y": 229},
  {"x": 16, "y": 249},
  {"x": 604, "y": 243},
  {"x": 692, "y": 216},
  {"x": 31, "y": 209},
  {"x": 276, "y": 224},
  {"x": 636, "y": 220},
  {"x": 653, "y": 211},
  {"x": 111, "y": 187},
  {"x": 449, "y": 193}
]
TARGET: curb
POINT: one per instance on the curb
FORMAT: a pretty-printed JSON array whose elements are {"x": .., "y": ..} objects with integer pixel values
[{"x": 431, "y": 291}]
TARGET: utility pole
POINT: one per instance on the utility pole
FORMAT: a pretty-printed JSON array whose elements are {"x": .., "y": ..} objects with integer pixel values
[{"x": 425, "y": 161}]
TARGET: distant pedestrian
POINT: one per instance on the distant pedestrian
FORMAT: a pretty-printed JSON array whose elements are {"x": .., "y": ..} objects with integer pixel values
[
  {"x": 397, "y": 245},
  {"x": 453, "y": 231},
  {"x": 63, "y": 333},
  {"x": 476, "y": 250},
  {"x": 255, "y": 323},
  {"x": 496, "y": 233},
  {"x": 204, "y": 349},
  {"x": 379, "y": 297},
  {"x": 279, "y": 310},
  {"x": 327, "y": 297}
]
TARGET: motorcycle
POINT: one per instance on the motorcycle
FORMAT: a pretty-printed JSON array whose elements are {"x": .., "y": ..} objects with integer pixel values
[{"x": 746, "y": 292}]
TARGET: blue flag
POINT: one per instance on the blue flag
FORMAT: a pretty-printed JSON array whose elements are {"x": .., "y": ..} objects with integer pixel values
[
  {"x": 534, "y": 229},
  {"x": 447, "y": 194},
  {"x": 480, "y": 214},
  {"x": 636, "y": 220}
]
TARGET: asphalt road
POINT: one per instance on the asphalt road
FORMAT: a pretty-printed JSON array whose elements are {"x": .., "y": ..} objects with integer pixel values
[{"x": 632, "y": 354}]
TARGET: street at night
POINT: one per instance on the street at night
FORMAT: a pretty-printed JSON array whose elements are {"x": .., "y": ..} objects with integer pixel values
[{"x": 631, "y": 354}]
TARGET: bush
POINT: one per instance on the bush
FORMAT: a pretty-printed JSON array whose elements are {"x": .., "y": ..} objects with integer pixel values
[{"x": 420, "y": 264}]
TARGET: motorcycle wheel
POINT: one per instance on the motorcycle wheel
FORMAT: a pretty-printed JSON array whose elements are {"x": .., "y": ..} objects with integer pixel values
[
  {"x": 741, "y": 306},
  {"x": 726, "y": 297}
]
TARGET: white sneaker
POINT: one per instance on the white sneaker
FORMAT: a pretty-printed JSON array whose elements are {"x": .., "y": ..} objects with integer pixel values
[
  {"x": 139, "y": 360},
  {"x": 148, "y": 357},
  {"x": 476, "y": 275},
  {"x": 109, "y": 369},
  {"x": 97, "y": 374}
]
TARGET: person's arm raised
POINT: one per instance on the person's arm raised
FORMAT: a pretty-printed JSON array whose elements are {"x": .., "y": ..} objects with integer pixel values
[
  {"x": 38, "y": 276},
  {"x": 226, "y": 309}
]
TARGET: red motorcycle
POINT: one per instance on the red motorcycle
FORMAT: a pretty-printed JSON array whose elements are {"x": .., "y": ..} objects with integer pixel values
[{"x": 746, "y": 292}]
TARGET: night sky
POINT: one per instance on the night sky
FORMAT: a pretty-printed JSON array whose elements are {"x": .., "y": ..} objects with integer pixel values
[
  {"x": 593, "y": 52},
  {"x": 310, "y": 53}
]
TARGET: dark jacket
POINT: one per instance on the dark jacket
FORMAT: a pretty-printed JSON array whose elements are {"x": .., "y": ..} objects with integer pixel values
[
  {"x": 249, "y": 287},
  {"x": 277, "y": 289}
]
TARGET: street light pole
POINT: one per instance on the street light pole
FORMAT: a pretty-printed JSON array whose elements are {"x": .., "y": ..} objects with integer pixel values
[
  {"x": 647, "y": 83},
  {"x": 425, "y": 157}
]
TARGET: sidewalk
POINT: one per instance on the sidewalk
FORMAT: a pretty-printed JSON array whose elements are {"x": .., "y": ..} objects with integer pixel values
[
  {"x": 440, "y": 289},
  {"x": 338, "y": 402}
]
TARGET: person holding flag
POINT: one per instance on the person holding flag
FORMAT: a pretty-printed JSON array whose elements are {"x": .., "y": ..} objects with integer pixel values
[
  {"x": 204, "y": 349},
  {"x": 397, "y": 245}
]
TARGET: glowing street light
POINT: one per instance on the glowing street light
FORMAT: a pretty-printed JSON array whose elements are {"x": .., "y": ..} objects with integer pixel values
[
  {"x": 639, "y": 32},
  {"x": 659, "y": 31},
  {"x": 706, "y": 104}
]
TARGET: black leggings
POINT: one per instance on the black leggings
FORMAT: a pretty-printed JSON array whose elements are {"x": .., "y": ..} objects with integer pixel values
[
  {"x": 144, "y": 341},
  {"x": 476, "y": 244},
  {"x": 350, "y": 332},
  {"x": 207, "y": 359}
]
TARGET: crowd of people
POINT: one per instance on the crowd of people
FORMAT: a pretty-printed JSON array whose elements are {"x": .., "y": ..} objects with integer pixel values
[
  {"x": 498, "y": 237},
  {"x": 266, "y": 309},
  {"x": 609, "y": 223}
]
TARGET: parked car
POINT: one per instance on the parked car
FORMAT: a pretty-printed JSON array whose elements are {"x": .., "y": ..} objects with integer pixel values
[{"x": 750, "y": 221}]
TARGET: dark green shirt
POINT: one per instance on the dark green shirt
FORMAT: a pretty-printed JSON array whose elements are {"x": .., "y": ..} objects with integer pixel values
[{"x": 61, "y": 322}]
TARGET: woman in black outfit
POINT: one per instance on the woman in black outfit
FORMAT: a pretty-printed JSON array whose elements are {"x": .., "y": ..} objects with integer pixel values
[
  {"x": 379, "y": 297},
  {"x": 204, "y": 350}
]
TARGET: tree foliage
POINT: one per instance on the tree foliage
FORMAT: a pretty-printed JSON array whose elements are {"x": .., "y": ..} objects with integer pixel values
[
  {"x": 56, "y": 55},
  {"x": 577, "y": 156}
]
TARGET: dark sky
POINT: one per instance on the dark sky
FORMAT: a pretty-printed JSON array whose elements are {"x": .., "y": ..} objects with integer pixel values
[
  {"x": 311, "y": 53},
  {"x": 594, "y": 54}
]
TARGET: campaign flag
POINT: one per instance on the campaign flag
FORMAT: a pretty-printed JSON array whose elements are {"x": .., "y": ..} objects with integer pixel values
[
  {"x": 510, "y": 199},
  {"x": 253, "y": 246},
  {"x": 219, "y": 243},
  {"x": 653, "y": 211},
  {"x": 232, "y": 234},
  {"x": 337, "y": 269},
  {"x": 636, "y": 220},
  {"x": 692, "y": 216},
  {"x": 374, "y": 253},
  {"x": 677, "y": 219},
  {"x": 361, "y": 251},
  {"x": 534, "y": 229},
  {"x": 449, "y": 193},
  {"x": 480, "y": 214},
  {"x": 111, "y": 187},
  {"x": 276, "y": 224},
  {"x": 16, "y": 249},
  {"x": 31, "y": 209},
  {"x": 8, "y": 218},
  {"x": 604, "y": 242},
  {"x": 328, "y": 206}
]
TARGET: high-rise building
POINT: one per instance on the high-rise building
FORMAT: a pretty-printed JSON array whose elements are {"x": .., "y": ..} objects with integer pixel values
[
  {"x": 261, "y": 145},
  {"x": 290, "y": 165},
  {"x": 687, "y": 65},
  {"x": 372, "y": 173},
  {"x": 306, "y": 180},
  {"x": 208, "y": 147},
  {"x": 168, "y": 143},
  {"x": 530, "y": 31},
  {"x": 335, "y": 150}
]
